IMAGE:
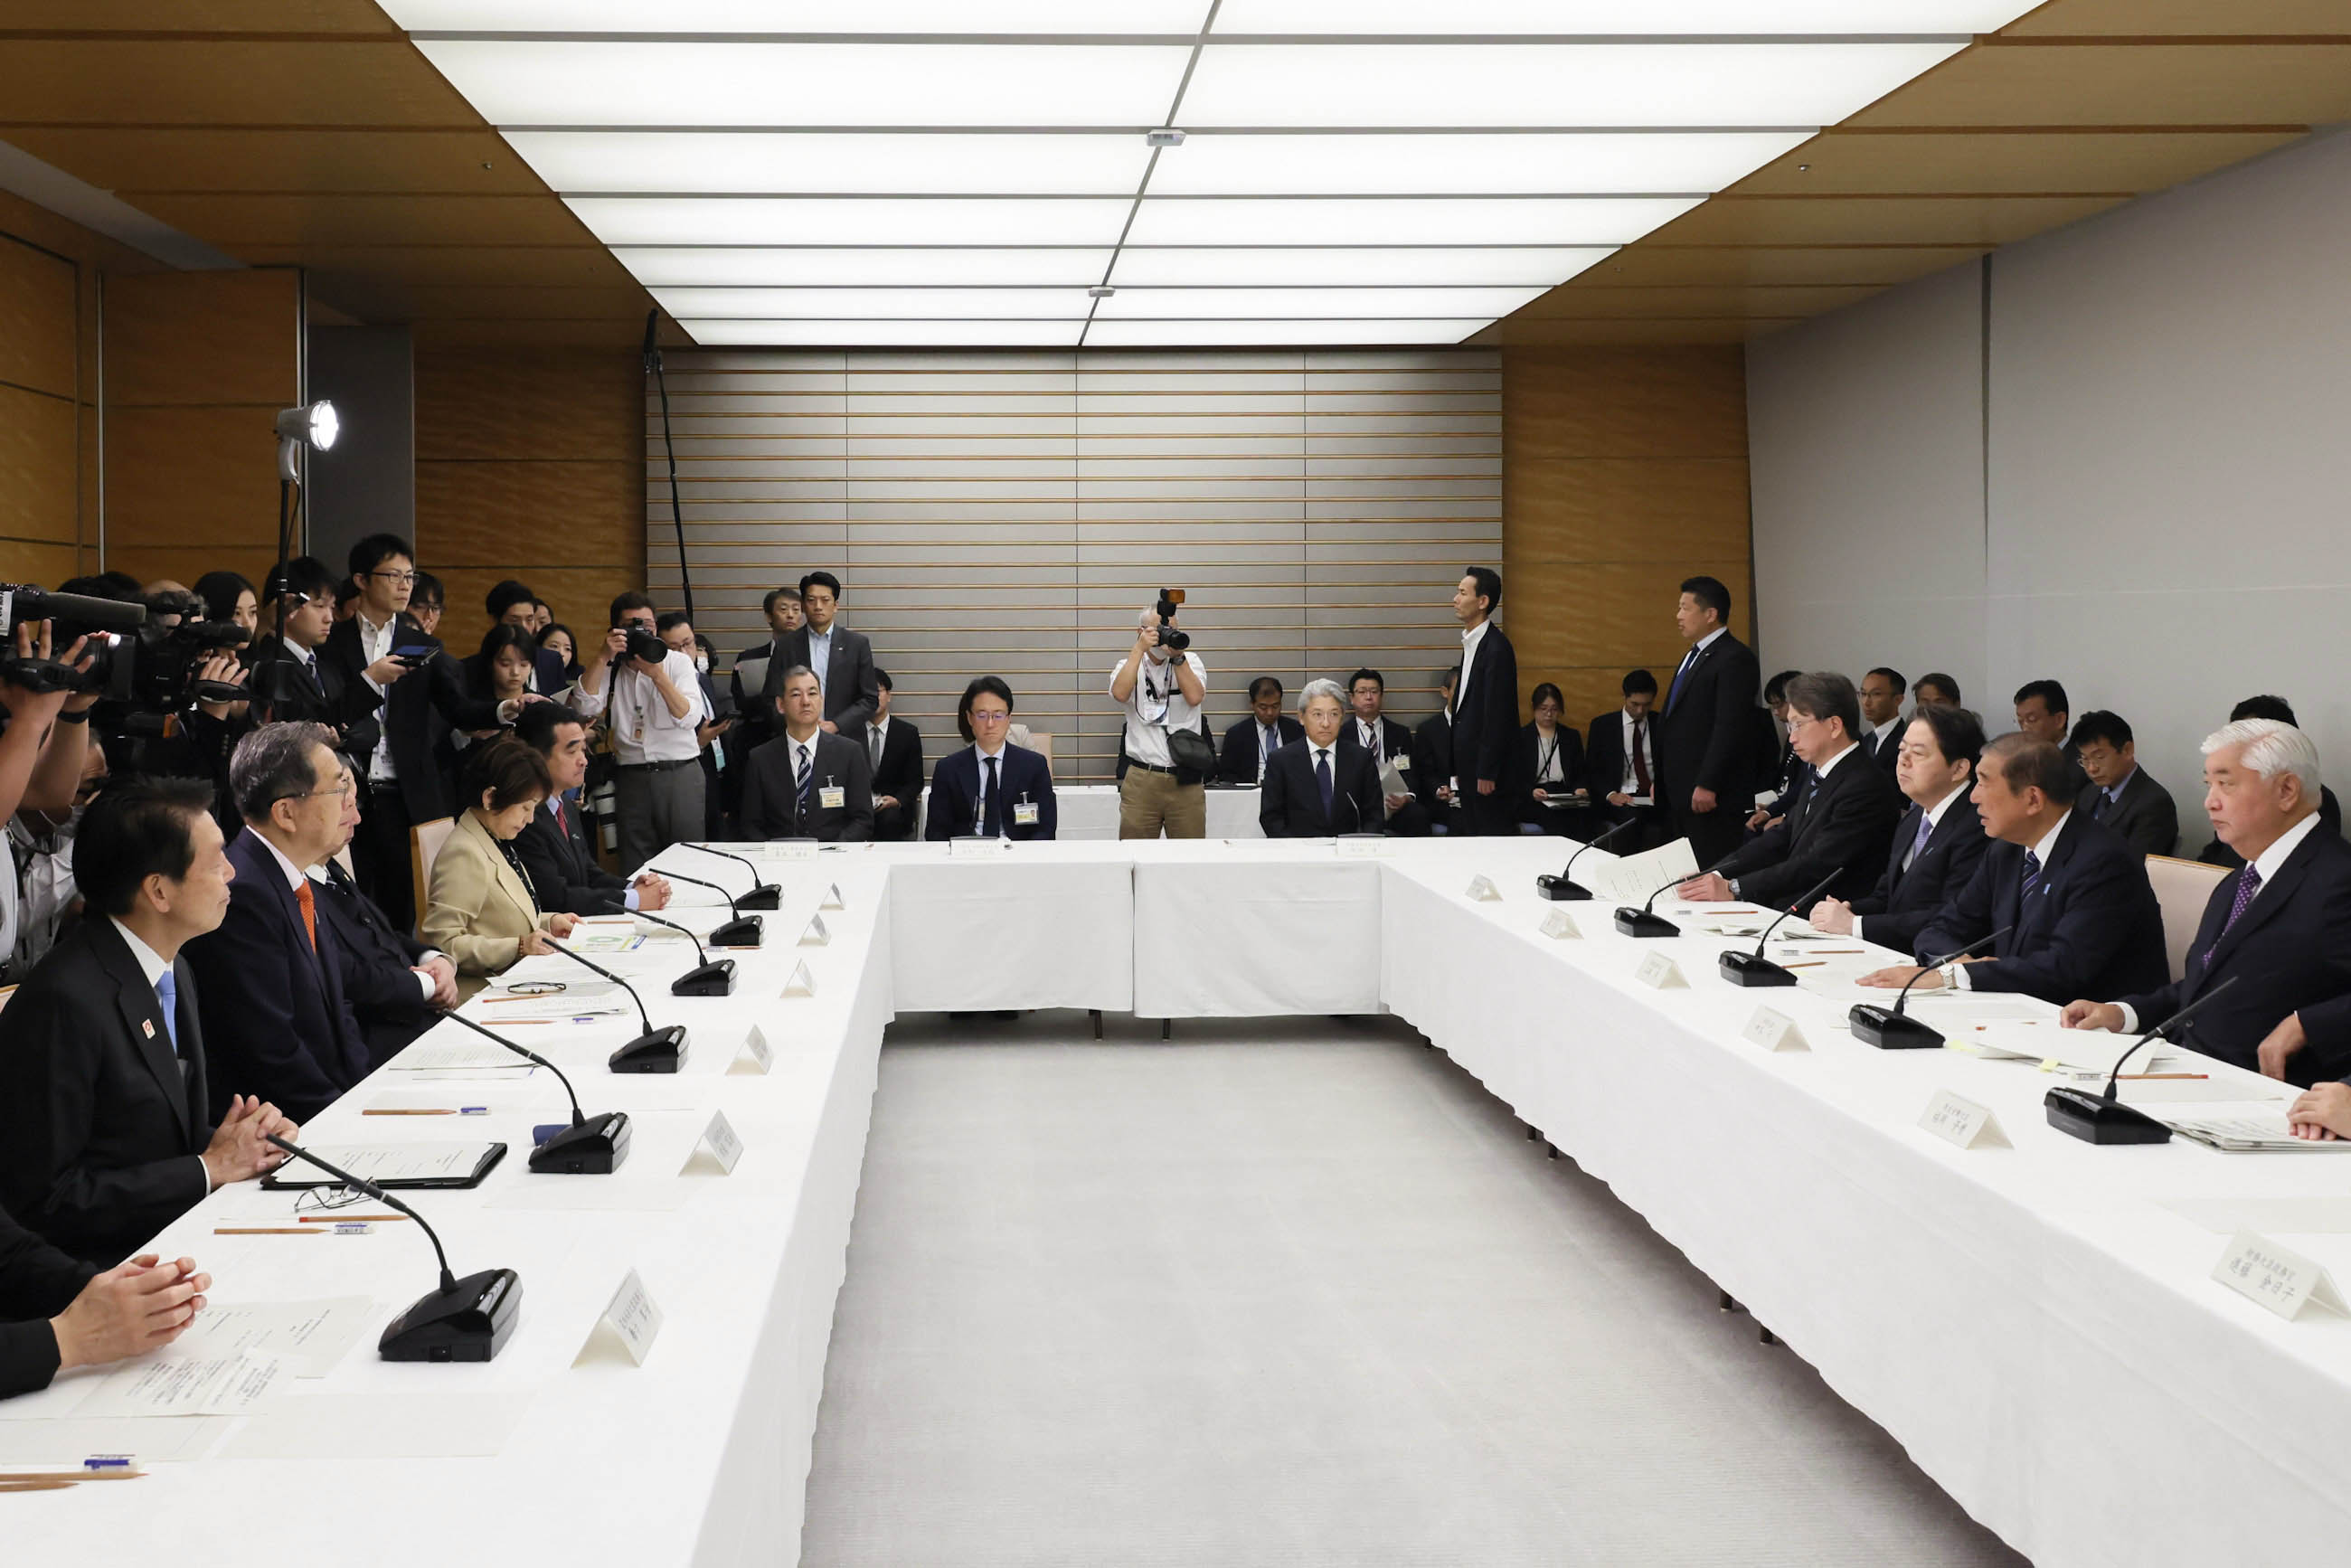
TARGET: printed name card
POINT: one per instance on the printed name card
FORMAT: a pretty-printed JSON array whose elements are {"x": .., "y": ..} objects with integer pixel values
[
  {"x": 1362, "y": 845},
  {"x": 802, "y": 983},
  {"x": 816, "y": 935},
  {"x": 1661, "y": 972},
  {"x": 833, "y": 899},
  {"x": 2258, "y": 1270},
  {"x": 626, "y": 1329},
  {"x": 1962, "y": 1123},
  {"x": 717, "y": 1145},
  {"x": 1775, "y": 1031},
  {"x": 975, "y": 845},
  {"x": 1482, "y": 889},
  {"x": 788, "y": 850},
  {"x": 758, "y": 1048},
  {"x": 1559, "y": 926}
]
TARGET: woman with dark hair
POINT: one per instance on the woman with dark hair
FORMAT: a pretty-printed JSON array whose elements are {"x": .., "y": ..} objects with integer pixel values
[
  {"x": 557, "y": 639},
  {"x": 1549, "y": 768},
  {"x": 992, "y": 788},
  {"x": 500, "y": 669},
  {"x": 229, "y": 596},
  {"x": 480, "y": 910}
]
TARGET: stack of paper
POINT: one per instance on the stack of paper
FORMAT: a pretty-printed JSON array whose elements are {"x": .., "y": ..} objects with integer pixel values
[{"x": 2239, "y": 1129}]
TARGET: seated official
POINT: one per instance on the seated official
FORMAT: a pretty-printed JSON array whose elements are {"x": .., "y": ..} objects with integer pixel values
[
  {"x": 1432, "y": 756},
  {"x": 1620, "y": 755},
  {"x": 1881, "y": 715},
  {"x": 894, "y": 750},
  {"x": 480, "y": 910},
  {"x": 103, "y": 1135},
  {"x": 2281, "y": 926},
  {"x": 1777, "y": 782},
  {"x": 1250, "y": 743},
  {"x": 2330, "y": 809},
  {"x": 398, "y": 986},
  {"x": 1548, "y": 764},
  {"x": 806, "y": 783},
  {"x": 1842, "y": 821},
  {"x": 56, "y": 1313},
  {"x": 2068, "y": 899},
  {"x": 1937, "y": 844},
  {"x": 271, "y": 976},
  {"x": 553, "y": 846},
  {"x": 1315, "y": 789},
  {"x": 991, "y": 789},
  {"x": 2121, "y": 795},
  {"x": 1369, "y": 730}
]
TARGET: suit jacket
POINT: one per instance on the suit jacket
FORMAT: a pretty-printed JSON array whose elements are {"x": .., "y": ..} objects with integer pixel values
[
  {"x": 1236, "y": 760},
  {"x": 1884, "y": 744},
  {"x": 562, "y": 869},
  {"x": 1289, "y": 804},
  {"x": 379, "y": 966},
  {"x": 36, "y": 1283},
  {"x": 1527, "y": 756},
  {"x": 2091, "y": 928},
  {"x": 1707, "y": 741},
  {"x": 851, "y": 691},
  {"x": 2291, "y": 951},
  {"x": 1485, "y": 713},
  {"x": 1395, "y": 741},
  {"x": 99, "y": 1129},
  {"x": 1603, "y": 752},
  {"x": 771, "y": 803},
  {"x": 2330, "y": 819},
  {"x": 480, "y": 906},
  {"x": 1903, "y": 901},
  {"x": 1840, "y": 824},
  {"x": 273, "y": 1005},
  {"x": 2144, "y": 816},
  {"x": 406, "y": 712},
  {"x": 954, "y": 794},
  {"x": 899, "y": 775}
]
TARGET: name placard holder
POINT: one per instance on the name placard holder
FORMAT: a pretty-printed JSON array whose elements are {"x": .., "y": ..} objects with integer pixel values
[
  {"x": 833, "y": 899},
  {"x": 627, "y": 1329},
  {"x": 756, "y": 1055},
  {"x": 1962, "y": 1123},
  {"x": 1559, "y": 926},
  {"x": 816, "y": 935},
  {"x": 717, "y": 1149},
  {"x": 1661, "y": 973},
  {"x": 1775, "y": 1031},
  {"x": 1363, "y": 846},
  {"x": 2260, "y": 1271},
  {"x": 802, "y": 983},
  {"x": 788, "y": 850},
  {"x": 975, "y": 845},
  {"x": 1482, "y": 889}
]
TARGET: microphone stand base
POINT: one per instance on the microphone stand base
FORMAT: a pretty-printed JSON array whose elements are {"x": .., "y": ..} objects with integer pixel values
[
  {"x": 1634, "y": 922},
  {"x": 748, "y": 931},
  {"x": 1753, "y": 969},
  {"x": 1558, "y": 890},
  {"x": 595, "y": 1147},
  {"x": 1890, "y": 1031},
  {"x": 2094, "y": 1119},
  {"x": 716, "y": 979},
  {"x": 767, "y": 895},
  {"x": 657, "y": 1050},
  {"x": 471, "y": 1321}
]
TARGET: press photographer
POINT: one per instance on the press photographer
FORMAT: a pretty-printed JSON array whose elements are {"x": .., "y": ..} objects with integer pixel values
[{"x": 1166, "y": 757}]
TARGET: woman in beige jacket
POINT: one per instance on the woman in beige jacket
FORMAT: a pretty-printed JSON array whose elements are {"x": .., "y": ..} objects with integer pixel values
[{"x": 480, "y": 911}]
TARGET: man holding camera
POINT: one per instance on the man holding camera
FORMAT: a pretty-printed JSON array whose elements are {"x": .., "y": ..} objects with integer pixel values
[
  {"x": 1163, "y": 686},
  {"x": 656, "y": 710}
]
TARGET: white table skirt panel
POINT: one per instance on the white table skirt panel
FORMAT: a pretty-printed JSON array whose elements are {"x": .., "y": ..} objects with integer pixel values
[
  {"x": 1227, "y": 935},
  {"x": 1036, "y": 926}
]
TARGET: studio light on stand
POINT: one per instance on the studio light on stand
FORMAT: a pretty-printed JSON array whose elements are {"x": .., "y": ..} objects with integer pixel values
[{"x": 314, "y": 424}]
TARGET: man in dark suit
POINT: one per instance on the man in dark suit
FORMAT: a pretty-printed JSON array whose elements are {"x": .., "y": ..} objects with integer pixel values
[
  {"x": 103, "y": 1135},
  {"x": 1708, "y": 725},
  {"x": 1432, "y": 756},
  {"x": 2044, "y": 711},
  {"x": 1620, "y": 755},
  {"x": 1881, "y": 710},
  {"x": 397, "y": 985},
  {"x": 57, "y": 1313},
  {"x": 1250, "y": 743},
  {"x": 2281, "y": 928},
  {"x": 1841, "y": 823},
  {"x": 1484, "y": 709},
  {"x": 1317, "y": 788},
  {"x": 553, "y": 847},
  {"x": 990, "y": 787},
  {"x": 271, "y": 976},
  {"x": 805, "y": 783},
  {"x": 843, "y": 660},
  {"x": 2069, "y": 900},
  {"x": 290, "y": 682},
  {"x": 2121, "y": 795},
  {"x": 514, "y": 603},
  {"x": 1368, "y": 729},
  {"x": 748, "y": 683},
  {"x": 2330, "y": 809},
  {"x": 1937, "y": 844},
  {"x": 893, "y": 752}
]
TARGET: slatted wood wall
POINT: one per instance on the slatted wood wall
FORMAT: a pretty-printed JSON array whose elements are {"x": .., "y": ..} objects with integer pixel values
[
  {"x": 1011, "y": 513},
  {"x": 40, "y": 414}
]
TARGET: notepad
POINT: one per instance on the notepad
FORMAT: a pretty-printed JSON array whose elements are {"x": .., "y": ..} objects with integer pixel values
[{"x": 430, "y": 1163}]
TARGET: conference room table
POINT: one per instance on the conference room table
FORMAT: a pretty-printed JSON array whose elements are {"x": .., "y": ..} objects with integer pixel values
[{"x": 2033, "y": 1318}]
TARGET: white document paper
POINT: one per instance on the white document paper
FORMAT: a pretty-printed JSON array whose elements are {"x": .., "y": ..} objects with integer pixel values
[
  {"x": 630, "y": 1322},
  {"x": 456, "y": 1050},
  {"x": 186, "y": 1386},
  {"x": 365, "y": 1428},
  {"x": 2242, "y": 1128},
  {"x": 387, "y": 1162},
  {"x": 1631, "y": 879},
  {"x": 308, "y": 1337}
]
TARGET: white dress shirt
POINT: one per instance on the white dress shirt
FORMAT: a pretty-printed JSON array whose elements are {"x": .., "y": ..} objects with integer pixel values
[
  {"x": 1637, "y": 730},
  {"x": 1934, "y": 820},
  {"x": 820, "y": 659},
  {"x": 1156, "y": 705},
  {"x": 1470, "y": 639},
  {"x": 979, "y": 806},
  {"x": 375, "y": 643},
  {"x": 1268, "y": 741},
  {"x": 643, "y": 729},
  {"x": 1820, "y": 776}
]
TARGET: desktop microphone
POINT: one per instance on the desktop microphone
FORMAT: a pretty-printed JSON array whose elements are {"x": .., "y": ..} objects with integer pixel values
[
  {"x": 1361, "y": 831},
  {"x": 743, "y": 931},
  {"x": 655, "y": 1051},
  {"x": 591, "y": 1145},
  {"x": 1559, "y": 889},
  {"x": 705, "y": 979},
  {"x": 2103, "y": 1118},
  {"x": 1889, "y": 1028},
  {"x": 763, "y": 894},
  {"x": 1639, "y": 922},
  {"x": 465, "y": 1320},
  {"x": 1753, "y": 968}
]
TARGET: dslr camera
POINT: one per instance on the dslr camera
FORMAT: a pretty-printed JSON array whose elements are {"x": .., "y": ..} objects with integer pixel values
[
  {"x": 645, "y": 645},
  {"x": 1170, "y": 601}
]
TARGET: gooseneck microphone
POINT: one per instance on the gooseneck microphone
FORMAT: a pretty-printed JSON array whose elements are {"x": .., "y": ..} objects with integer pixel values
[
  {"x": 1753, "y": 968},
  {"x": 2104, "y": 1118},
  {"x": 465, "y": 1320},
  {"x": 743, "y": 931},
  {"x": 705, "y": 979},
  {"x": 1560, "y": 889},
  {"x": 763, "y": 894},
  {"x": 656, "y": 1049},
  {"x": 591, "y": 1145},
  {"x": 1888, "y": 1029},
  {"x": 1640, "y": 921}
]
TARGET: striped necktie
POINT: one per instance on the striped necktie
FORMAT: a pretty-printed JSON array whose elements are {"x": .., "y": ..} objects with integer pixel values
[{"x": 806, "y": 795}]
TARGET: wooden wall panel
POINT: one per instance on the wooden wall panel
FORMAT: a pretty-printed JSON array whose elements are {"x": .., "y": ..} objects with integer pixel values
[
  {"x": 1624, "y": 471},
  {"x": 208, "y": 338},
  {"x": 40, "y": 496},
  {"x": 37, "y": 320},
  {"x": 530, "y": 463}
]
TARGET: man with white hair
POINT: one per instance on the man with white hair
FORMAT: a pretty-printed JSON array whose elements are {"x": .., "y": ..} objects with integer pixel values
[
  {"x": 2281, "y": 926},
  {"x": 1163, "y": 688},
  {"x": 1314, "y": 788}
]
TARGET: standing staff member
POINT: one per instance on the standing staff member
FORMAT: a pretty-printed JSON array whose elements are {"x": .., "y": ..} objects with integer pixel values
[
  {"x": 1163, "y": 686},
  {"x": 1708, "y": 725},
  {"x": 1485, "y": 708}
]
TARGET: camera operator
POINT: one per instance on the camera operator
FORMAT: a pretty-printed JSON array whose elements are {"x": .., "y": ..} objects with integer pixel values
[
  {"x": 42, "y": 748},
  {"x": 1162, "y": 685},
  {"x": 655, "y": 713}
]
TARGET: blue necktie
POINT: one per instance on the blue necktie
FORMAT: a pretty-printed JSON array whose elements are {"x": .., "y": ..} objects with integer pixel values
[
  {"x": 167, "y": 991},
  {"x": 1675, "y": 689},
  {"x": 1918, "y": 844},
  {"x": 2032, "y": 878},
  {"x": 807, "y": 791},
  {"x": 991, "y": 808},
  {"x": 1322, "y": 782}
]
